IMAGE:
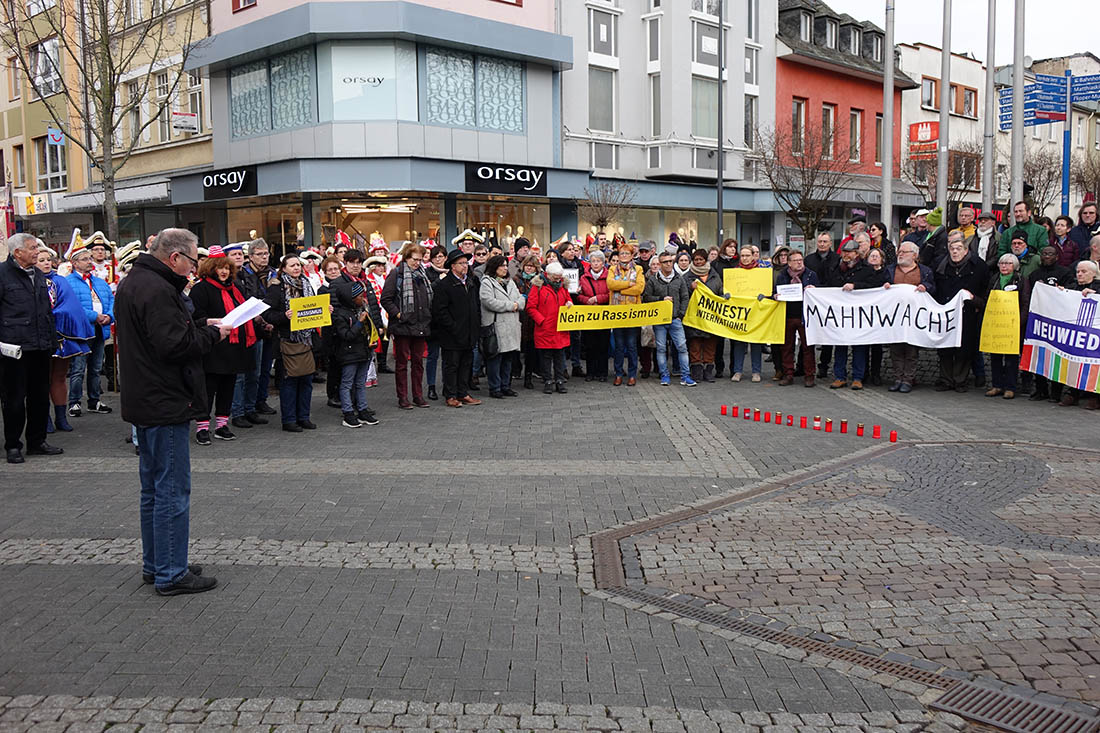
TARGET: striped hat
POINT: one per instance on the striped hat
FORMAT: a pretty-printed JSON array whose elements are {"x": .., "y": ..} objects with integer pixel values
[{"x": 216, "y": 251}]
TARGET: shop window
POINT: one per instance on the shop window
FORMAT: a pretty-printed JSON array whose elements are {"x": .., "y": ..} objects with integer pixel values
[
  {"x": 601, "y": 99},
  {"x": 704, "y": 108},
  {"x": 274, "y": 94},
  {"x": 52, "y": 167},
  {"x": 464, "y": 90}
]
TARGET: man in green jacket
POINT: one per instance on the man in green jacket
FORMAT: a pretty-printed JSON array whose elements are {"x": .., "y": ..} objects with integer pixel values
[{"x": 1037, "y": 236}]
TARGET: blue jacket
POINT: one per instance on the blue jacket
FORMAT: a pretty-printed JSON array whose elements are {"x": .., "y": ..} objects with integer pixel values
[
  {"x": 927, "y": 278},
  {"x": 102, "y": 289}
]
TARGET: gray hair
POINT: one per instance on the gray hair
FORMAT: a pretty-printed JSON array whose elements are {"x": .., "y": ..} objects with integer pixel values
[
  {"x": 1094, "y": 242},
  {"x": 1090, "y": 265},
  {"x": 1010, "y": 259},
  {"x": 170, "y": 241},
  {"x": 862, "y": 236},
  {"x": 955, "y": 236},
  {"x": 258, "y": 242},
  {"x": 22, "y": 241},
  {"x": 597, "y": 254}
]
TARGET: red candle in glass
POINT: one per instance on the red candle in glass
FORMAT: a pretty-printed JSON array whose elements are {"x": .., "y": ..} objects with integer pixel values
[
  {"x": 859, "y": 429},
  {"x": 843, "y": 426}
]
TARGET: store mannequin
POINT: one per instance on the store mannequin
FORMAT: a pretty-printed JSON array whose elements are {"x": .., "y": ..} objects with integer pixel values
[
  {"x": 301, "y": 236},
  {"x": 507, "y": 240},
  {"x": 251, "y": 233},
  {"x": 408, "y": 236},
  {"x": 691, "y": 241}
]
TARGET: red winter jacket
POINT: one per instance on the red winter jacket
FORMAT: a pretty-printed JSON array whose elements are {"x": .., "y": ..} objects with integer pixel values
[
  {"x": 543, "y": 303},
  {"x": 592, "y": 286}
]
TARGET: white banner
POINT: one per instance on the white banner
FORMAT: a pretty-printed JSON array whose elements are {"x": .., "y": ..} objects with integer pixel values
[{"x": 899, "y": 314}]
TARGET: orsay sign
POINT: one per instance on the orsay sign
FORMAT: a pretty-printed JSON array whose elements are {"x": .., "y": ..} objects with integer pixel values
[
  {"x": 229, "y": 183},
  {"x": 521, "y": 180}
]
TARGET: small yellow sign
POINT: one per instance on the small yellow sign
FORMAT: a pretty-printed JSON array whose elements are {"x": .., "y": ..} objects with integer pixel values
[
  {"x": 747, "y": 283},
  {"x": 311, "y": 312},
  {"x": 1001, "y": 323},
  {"x": 596, "y": 317}
]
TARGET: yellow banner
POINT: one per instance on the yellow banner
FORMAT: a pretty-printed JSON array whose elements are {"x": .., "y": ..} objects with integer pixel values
[
  {"x": 1001, "y": 323},
  {"x": 596, "y": 317},
  {"x": 742, "y": 319},
  {"x": 747, "y": 283},
  {"x": 311, "y": 312}
]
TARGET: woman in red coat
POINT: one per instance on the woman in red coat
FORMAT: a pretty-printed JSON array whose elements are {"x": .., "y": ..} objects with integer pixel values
[
  {"x": 594, "y": 292},
  {"x": 543, "y": 302}
]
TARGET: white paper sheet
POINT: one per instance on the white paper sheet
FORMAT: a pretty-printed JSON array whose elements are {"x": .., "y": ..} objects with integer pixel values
[
  {"x": 245, "y": 312},
  {"x": 788, "y": 292},
  {"x": 12, "y": 351}
]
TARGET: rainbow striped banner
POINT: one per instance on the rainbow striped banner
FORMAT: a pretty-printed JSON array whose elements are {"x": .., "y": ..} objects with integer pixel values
[{"x": 1062, "y": 340}]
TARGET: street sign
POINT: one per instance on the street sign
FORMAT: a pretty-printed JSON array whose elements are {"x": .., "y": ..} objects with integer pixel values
[
  {"x": 1055, "y": 116},
  {"x": 923, "y": 132},
  {"x": 1085, "y": 88},
  {"x": 1051, "y": 79},
  {"x": 54, "y": 137}
]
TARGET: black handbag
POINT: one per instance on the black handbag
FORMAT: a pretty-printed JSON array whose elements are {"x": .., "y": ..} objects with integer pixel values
[{"x": 489, "y": 346}]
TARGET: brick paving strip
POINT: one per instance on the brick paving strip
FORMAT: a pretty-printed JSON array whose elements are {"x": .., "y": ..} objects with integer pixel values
[
  {"x": 290, "y": 553},
  {"x": 57, "y": 713},
  {"x": 913, "y": 424}
]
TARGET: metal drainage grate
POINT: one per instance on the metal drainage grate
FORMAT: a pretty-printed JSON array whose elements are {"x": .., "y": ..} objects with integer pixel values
[
  {"x": 743, "y": 626},
  {"x": 1012, "y": 712}
]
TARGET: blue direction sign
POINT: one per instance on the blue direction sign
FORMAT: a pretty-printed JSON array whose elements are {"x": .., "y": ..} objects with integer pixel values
[
  {"x": 1085, "y": 88},
  {"x": 1051, "y": 79}
]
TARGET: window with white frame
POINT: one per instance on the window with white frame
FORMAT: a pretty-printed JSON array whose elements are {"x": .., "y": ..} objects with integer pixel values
[
  {"x": 655, "y": 105},
  {"x": 752, "y": 19},
  {"x": 34, "y": 7},
  {"x": 751, "y": 117},
  {"x": 20, "y": 163},
  {"x": 798, "y": 125},
  {"x": 855, "y": 42},
  {"x": 878, "y": 139},
  {"x": 52, "y": 175},
  {"x": 855, "y": 135},
  {"x": 928, "y": 93},
  {"x": 654, "y": 5},
  {"x": 831, "y": 30},
  {"x": 133, "y": 11},
  {"x": 1096, "y": 135},
  {"x": 806, "y": 27},
  {"x": 601, "y": 99},
  {"x": 828, "y": 130},
  {"x": 705, "y": 44},
  {"x": 133, "y": 97},
  {"x": 752, "y": 65},
  {"x": 15, "y": 80},
  {"x": 602, "y": 32},
  {"x": 704, "y": 107},
  {"x": 194, "y": 103},
  {"x": 1080, "y": 134},
  {"x": 163, "y": 85},
  {"x": 164, "y": 119},
  {"x": 45, "y": 67},
  {"x": 654, "y": 35},
  {"x": 876, "y": 47},
  {"x": 707, "y": 7},
  {"x": 604, "y": 155}
]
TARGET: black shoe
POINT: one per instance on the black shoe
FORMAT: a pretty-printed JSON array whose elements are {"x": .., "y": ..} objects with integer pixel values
[
  {"x": 333, "y": 402},
  {"x": 432, "y": 394},
  {"x": 241, "y": 422},
  {"x": 979, "y": 381},
  {"x": 15, "y": 455},
  {"x": 1038, "y": 396},
  {"x": 548, "y": 388},
  {"x": 255, "y": 419},
  {"x": 202, "y": 437},
  {"x": 189, "y": 583},
  {"x": 306, "y": 425},
  {"x": 496, "y": 395},
  {"x": 290, "y": 427},
  {"x": 367, "y": 417},
  {"x": 149, "y": 579},
  {"x": 509, "y": 393},
  {"x": 351, "y": 420},
  {"x": 474, "y": 386},
  {"x": 896, "y": 387},
  {"x": 224, "y": 433},
  {"x": 264, "y": 409},
  {"x": 943, "y": 387},
  {"x": 527, "y": 383},
  {"x": 97, "y": 406},
  {"x": 383, "y": 369},
  {"x": 578, "y": 371},
  {"x": 561, "y": 389},
  {"x": 589, "y": 378},
  {"x": 44, "y": 449}
]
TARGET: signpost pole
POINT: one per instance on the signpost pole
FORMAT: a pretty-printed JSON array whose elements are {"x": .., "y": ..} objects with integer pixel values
[
  {"x": 888, "y": 121},
  {"x": 1017, "y": 190},
  {"x": 721, "y": 145},
  {"x": 990, "y": 110},
  {"x": 945, "y": 113},
  {"x": 1066, "y": 126}
]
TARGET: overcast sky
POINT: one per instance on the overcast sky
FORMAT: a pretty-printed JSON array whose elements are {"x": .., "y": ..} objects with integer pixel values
[{"x": 1051, "y": 28}]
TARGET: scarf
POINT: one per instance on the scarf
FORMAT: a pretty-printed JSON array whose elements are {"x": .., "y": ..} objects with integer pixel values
[
  {"x": 231, "y": 298},
  {"x": 796, "y": 277},
  {"x": 678, "y": 271},
  {"x": 700, "y": 271},
  {"x": 299, "y": 287},
  {"x": 407, "y": 280},
  {"x": 666, "y": 278},
  {"x": 1005, "y": 279},
  {"x": 617, "y": 273}
]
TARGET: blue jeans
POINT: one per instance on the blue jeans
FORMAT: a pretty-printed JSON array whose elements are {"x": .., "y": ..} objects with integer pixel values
[
  {"x": 264, "y": 379},
  {"x": 432, "y": 367},
  {"x": 756, "y": 356},
  {"x": 477, "y": 359},
  {"x": 165, "y": 469},
  {"x": 859, "y": 362},
  {"x": 626, "y": 344},
  {"x": 247, "y": 387},
  {"x": 499, "y": 371},
  {"x": 575, "y": 348},
  {"x": 92, "y": 364},
  {"x": 674, "y": 331},
  {"x": 353, "y": 386},
  {"x": 294, "y": 396}
]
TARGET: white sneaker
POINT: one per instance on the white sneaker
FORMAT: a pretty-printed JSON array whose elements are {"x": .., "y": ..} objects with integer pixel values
[
  {"x": 74, "y": 410},
  {"x": 736, "y": 377},
  {"x": 756, "y": 377}
]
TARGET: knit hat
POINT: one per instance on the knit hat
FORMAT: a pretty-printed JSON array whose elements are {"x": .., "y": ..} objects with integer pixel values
[
  {"x": 555, "y": 268},
  {"x": 935, "y": 217},
  {"x": 356, "y": 289},
  {"x": 215, "y": 251}
]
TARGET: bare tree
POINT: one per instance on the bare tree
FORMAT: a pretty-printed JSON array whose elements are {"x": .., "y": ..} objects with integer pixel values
[
  {"x": 604, "y": 200},
  {"x": 95, "y": 62},
  {"x": 1085, "y": 173},
  {"x": 1043, "y": 171},
  {"x": 806, "y": 170},
  {"x": 964, "y": 172}
]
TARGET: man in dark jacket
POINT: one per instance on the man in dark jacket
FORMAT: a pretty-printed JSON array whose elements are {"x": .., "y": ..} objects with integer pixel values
[
  {"x": 907, "y": 271},
  {"x": 852, "y": 274},
  {"x": 666, "y": 284},
  {"x": 822, "y": 262},
  {"x": 407, "y": 300},
  {"x": 959, "y": 271},
  {"x": 26, "y": 321},
  {"x": 796, "y": 273},
  {"x": 456, "y": 326},
  {"x": 1049, "y": 271},
  {"x": 250, "y": 393},
  {"x": 1087, "y": 228},
  {"x": 163, "y": 386}
]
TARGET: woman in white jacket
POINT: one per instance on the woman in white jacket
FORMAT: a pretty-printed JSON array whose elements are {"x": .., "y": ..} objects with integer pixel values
[{"x": 501, "y": 305}]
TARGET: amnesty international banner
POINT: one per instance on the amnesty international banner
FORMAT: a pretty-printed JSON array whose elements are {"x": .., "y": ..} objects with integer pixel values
[
  {"x": 311, "y": 312},
  {"x": 1001, "y": 323},
  {"x": 747, "y": 283},
  {"x": 1062, "y": 340},
  {"x": 743, "y": 319},
  {"x": 901, "y": 314},
  {"x": 596, "y": 317}
]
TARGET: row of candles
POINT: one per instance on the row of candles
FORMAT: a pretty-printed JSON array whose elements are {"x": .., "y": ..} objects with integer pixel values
[{"x": 755, "y": 415}]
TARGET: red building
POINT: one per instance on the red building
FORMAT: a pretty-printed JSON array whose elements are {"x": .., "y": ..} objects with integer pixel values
[{"x": 828, "y": 87}]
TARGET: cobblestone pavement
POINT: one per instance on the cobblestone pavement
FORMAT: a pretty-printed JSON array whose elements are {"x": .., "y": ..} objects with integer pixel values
[{"x": 434, "y": 571}]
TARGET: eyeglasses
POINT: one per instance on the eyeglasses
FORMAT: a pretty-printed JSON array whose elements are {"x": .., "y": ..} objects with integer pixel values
[{"x": 189, "y": 257}]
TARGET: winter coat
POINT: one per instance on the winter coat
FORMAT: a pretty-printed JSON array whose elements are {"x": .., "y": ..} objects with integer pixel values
[
  {"x": 629, "y": 291},
  {"x": 861, "y": 275},
  {"x": 456, "y": 312},
  {"x": 253, "y": 283},
  {"x": 574, "y": 264},
  {"x": 225, "y": 357},
  {"x": 889, "y": 251},
  {"x": 1081, "y": 235},
  {"x": 84, "y": 293},
  {"x": 594, "y": 286},
  {"x": 714, "y": 282},
  {"x": 543, "y": 303},
  {"x": 721, "y": 264},
  {"x": 497, "y": 301},
  {"x": 1029, "y": 263},
  {"x": 657, "y": 289},
  {"x": 822, "y": 265},
  {"x": 526, "y": 325},
  {"x": 417, "y": 324},
  {"x": 1022, "y": 286},
  {"x": 927, "y": 277},
  {"x": 934, "y": 248},
  {"x": 991, "y": 247},
  {"x": 276, "y": 313},
  {"x": 352, "y": 338},
  {"x": 1037, "y": 237},
  {"x": 160, "y": 349},
  {"x": 73, "y": 329},
  {"x": 971, "y": 274},
  {"x": 1054, "y": 276},
  {"x": 808, "y": 278},
  {"x": 26, "y": 318}
]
